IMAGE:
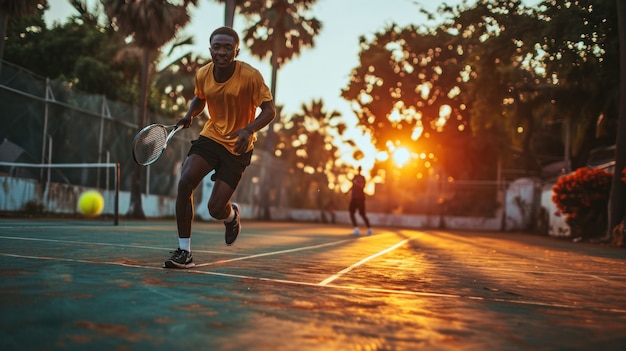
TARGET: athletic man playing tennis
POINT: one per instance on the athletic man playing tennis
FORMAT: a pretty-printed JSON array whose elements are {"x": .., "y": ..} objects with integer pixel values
[{"x": 232, "y": 90}]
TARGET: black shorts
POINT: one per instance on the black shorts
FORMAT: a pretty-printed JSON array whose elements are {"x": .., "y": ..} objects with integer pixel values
[{"x": 228, "y": 167}]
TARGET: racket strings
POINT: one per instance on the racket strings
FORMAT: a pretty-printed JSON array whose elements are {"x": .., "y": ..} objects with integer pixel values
[{"x": 149, "y": 145}]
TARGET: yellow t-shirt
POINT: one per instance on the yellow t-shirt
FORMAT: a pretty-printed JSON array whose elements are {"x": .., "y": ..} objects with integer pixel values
[{"x": 233, "y": 104}]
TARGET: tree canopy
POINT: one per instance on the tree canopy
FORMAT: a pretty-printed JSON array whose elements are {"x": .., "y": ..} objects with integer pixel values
[{"x": 493, "y": 77}]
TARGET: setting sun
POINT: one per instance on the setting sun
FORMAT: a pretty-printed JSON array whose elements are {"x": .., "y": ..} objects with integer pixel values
[{"x": 401, "y": 156}]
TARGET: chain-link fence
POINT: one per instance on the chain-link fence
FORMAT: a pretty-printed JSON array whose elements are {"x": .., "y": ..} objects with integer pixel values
[{"x": 46, "y": 121}]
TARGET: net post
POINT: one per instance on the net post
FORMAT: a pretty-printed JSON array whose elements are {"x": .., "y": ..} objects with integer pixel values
[{"x": 116, "y": 214}]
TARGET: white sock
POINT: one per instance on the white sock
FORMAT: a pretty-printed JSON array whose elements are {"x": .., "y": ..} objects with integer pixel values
[
  {"x": 184, "y": 244},
  {"x": 231, "y": 216}
]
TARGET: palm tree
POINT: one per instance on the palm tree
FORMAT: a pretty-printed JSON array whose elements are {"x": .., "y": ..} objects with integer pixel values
[
  {"x": 306, "y": 145},
  {"x": 16, "y": 8},
  {"x": 229, "y": 10},
  {"x": 281, "y": 30},
  {"x": 151, "y": 24}
]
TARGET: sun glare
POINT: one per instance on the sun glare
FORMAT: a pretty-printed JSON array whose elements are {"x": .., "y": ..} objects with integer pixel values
[{"x": 401, "y": 156}]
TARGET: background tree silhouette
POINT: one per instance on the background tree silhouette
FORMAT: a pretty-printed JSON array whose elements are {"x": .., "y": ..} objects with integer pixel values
[
  {"x": 305, "y": 142},
  {"x": 489, "y": 71},
  {"x": 230, "y": 7}
]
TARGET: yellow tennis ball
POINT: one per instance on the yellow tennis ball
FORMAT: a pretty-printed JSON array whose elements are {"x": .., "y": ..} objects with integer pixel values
[{"x": 90, "y": 203}]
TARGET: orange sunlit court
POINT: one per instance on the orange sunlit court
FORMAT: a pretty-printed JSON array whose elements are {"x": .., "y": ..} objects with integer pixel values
[{"x": 296, "y": 286}]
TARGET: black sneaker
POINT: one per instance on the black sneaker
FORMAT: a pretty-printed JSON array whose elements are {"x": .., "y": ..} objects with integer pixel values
[
  {"x": 233, "y": 228},
  {"x": 180, "y": 259}
]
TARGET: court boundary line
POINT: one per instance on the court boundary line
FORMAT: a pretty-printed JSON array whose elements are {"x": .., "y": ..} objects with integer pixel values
[
  {"x": 364, "y": 260},
  {"x": 332, "y": 286},
  {"x": 271, "y": 253},
  {"x": 108, "y": 244},
  {"x": 243, "y": 256}
]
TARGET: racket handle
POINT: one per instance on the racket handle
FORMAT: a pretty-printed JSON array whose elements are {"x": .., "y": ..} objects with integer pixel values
[{"x": 176, "y": 129}]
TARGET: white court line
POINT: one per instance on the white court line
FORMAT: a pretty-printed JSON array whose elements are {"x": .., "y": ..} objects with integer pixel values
[
  {"x": 58, "y": 241},
  {"x": 339, "y": 287},
  {"x": 348, "y": 269},
  {"x": 81, "y": 226},
  {"x": 273, "y": 253},
  {"x": 202, "y": 251}
]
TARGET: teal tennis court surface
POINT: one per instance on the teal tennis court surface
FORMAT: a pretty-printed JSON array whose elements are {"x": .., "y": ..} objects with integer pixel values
[{"x": 90, "y": 285}]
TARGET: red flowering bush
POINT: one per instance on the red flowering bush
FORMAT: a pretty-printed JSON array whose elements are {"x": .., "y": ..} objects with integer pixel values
[
  {"x": 583, "y": 196},
  {"x": 624, "y": 175}
]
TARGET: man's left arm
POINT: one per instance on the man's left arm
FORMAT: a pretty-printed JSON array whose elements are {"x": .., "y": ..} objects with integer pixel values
[
  {"x": 267, "y": 115},
  {"x": 243, "y": 135}
]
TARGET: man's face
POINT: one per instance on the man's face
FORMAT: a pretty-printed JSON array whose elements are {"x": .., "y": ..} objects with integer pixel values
[{"x": 223, "y": 50}]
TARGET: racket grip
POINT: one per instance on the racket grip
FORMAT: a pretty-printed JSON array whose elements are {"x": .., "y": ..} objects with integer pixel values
[{"x": 176, "y": 129}]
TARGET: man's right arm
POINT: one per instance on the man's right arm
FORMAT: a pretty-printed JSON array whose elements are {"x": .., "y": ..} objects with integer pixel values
[{"x": 196, "y": 107}]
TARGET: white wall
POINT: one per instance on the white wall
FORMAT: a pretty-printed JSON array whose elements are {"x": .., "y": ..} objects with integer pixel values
[
  {"x": 520, "y": 197},
  {"x": 556, "y": 224},
  {"x": 16, "y": 193}
]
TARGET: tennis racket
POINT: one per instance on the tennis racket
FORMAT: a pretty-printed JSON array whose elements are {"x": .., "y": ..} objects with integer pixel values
[{"x": 150, "y": 143}]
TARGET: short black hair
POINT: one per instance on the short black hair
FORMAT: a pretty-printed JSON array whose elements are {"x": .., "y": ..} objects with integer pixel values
[{"x": 227, "y": 31}]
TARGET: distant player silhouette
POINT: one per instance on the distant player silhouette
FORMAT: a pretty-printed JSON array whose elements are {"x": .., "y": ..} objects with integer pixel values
[{"x": 357, "y": 202}]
